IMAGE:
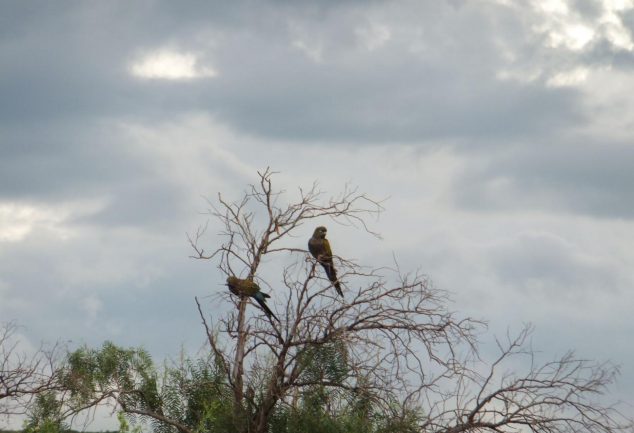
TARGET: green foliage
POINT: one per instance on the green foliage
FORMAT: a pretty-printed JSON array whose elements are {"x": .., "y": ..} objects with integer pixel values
[
  {"x": 124, "y": 425},
  {"x": 409, "y": 423},
  {"x": 128, "y": 375},
  {"x": 351, "y": 420},
  {"x": 196, "y": 394},
  {"x": 323, "y": 367},
  {"x": 325, "y": 362},
  {"x": 328, "y": 403},
  {"x": 44, "y": 416},
  {"x": 192, "y": 394}
]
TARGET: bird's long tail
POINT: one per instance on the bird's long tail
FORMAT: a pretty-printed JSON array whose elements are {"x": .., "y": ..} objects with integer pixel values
[
  {"x": 266, "y": 308},
  {"x": 332, "y": 276}
]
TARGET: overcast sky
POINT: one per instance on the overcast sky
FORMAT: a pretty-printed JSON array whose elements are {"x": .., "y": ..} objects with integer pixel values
[{"x": 501, "y": 131}]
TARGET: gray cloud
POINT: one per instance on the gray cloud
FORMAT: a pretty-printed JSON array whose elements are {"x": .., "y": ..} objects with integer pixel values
[
  {"x": 61, "y": 160},
  {"x": 588, "y": 177},
  {"x": 508, "y": 187},
  {"x": 98, "y": 285},
  {"x": 545, "y": 267},
  {"x": 433, "y": 78}
]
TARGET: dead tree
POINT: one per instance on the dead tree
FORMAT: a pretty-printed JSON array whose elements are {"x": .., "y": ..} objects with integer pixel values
[
  {"x": 395, "y": 329},
  {"x": 401, "y": 343}
]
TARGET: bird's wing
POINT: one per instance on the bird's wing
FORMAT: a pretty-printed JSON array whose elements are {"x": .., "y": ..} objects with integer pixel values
[
  {"x": 242, "y": 287},
  {"x": 250, "y": 288},
  {"x": 314, "y": 247},
  {"x": 326, "y": 249}
]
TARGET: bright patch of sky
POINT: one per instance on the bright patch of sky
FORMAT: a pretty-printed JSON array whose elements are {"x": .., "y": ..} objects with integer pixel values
[
  {"x": 616, "y": 32},
  {"x": 168, "y": 64},
  {"x": 566, "y": 28},
  {"x": 523, "y": 76},
  {"x": 374, "y": 36},
  {"x": 569, "y": 78},
  {"x": 562, "y": 27},
  {"x": 566, "y": 36},
  {"x": 17, "y": 221}
]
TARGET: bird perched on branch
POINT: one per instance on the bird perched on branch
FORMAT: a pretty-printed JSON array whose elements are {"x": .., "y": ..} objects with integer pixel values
[
  {"x": 241, "y": 287},
  {"x": 319, "y": 247}
]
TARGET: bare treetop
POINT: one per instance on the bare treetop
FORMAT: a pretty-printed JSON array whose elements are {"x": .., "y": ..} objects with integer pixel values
[
  {"x": 246, "y": 242},
  {"x": 399, "y": 341}
]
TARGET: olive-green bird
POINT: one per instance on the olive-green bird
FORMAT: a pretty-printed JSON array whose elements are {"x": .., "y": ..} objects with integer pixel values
[
  {"x": 250, "y": 288},
  {"x": 319, "y": 247}
]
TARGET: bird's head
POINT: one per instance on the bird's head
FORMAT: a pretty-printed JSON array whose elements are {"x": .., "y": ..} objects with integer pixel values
[
  {"x": 232, "y": 284},
  {"x": 320, "y": 232}
]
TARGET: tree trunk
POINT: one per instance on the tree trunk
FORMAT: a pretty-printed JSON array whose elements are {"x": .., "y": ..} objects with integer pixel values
[{"x": 238, "y": 365}]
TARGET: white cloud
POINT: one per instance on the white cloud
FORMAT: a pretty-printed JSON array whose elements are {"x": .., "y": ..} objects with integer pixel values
[
  {"x": 374, "y": 36},
  {"x": 616, "y": 32},
  {"x": 608, "y": 91},
  {"x": 527, "y": 75},
  {"x": 17, "y": 221},
  {"x": 552, "y": 6},
  {"x": 578, "y": 36},
  {"x": 168, "y": 64},
  {"x": 569, "y": 78},
  {"x": 565, "y": 32},
  {"x": 618, "y": 5},
  {"x": 92, "y": 305},
  {"x": 564, "y": 27}
]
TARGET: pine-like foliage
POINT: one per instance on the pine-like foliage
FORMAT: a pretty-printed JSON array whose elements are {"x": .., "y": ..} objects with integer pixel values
[
  {"x": 44, "y": 415},
  {"x": 194, "y": 397}
]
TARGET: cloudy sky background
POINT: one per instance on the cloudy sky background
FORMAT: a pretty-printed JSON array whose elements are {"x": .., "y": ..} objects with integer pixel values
[{"x": 501, "y": 131}]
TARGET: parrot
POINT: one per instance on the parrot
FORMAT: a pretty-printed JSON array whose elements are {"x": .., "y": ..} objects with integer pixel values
[
  {"x": 319, "y": 247},
  {"x": 250, "y": 288}
]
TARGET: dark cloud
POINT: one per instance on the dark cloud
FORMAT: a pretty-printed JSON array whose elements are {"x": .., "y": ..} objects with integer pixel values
[
  {"x": 418, "y": 102},
  {"x": 627, "y": 17},
  {"x": 584, "y": 177},
  {"x": 543, "y": 266},
  {"x": 75, "y": 62},
  {"x": 395, "y": 92},
  {"x": 67, "y": 66},
  {"x": 587, "y": 8},
  {"x": 97, "y": 163},
  {"x": 144, "y": 204},
  {"x": 57, "y": 161}
]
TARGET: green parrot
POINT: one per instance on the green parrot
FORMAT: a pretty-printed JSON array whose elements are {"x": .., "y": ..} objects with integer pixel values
[
  {"x": 319, "y": 247},
  {"x": 250, "y": 288}
]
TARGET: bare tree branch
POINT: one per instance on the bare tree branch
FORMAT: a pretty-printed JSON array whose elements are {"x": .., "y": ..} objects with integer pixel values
[{"x": 23, "y": 375}]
